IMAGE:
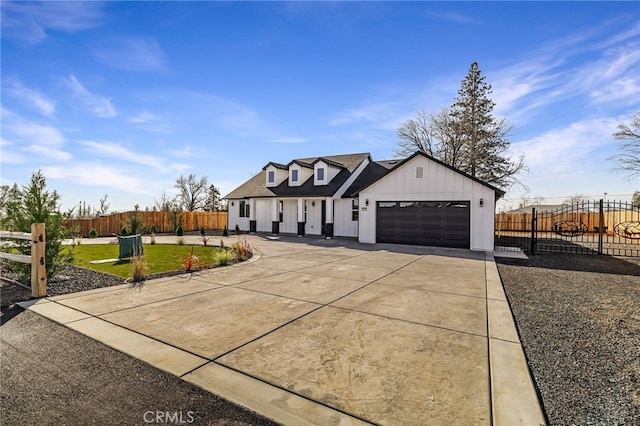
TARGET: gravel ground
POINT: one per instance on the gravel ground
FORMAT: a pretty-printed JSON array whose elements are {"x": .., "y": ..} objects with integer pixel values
[{"x": 579, "y": 322}]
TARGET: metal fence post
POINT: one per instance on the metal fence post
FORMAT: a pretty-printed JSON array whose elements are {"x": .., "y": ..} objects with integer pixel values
[
  {"x": 601, "y": 227},
  {"x": 533, "y": 230}
]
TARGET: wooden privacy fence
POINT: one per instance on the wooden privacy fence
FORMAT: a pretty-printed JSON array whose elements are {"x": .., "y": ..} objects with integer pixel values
[
  {"x": 37, "y": 259},
  {"x": 164, "y": 222}
]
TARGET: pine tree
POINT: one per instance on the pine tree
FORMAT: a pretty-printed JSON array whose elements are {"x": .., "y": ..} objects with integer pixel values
[
  {"x": 465, "y": 135},
  {"x": 483, "y": 136}
]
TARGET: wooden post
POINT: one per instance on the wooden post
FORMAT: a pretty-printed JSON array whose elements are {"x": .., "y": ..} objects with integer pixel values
[{"x": 38, "y": 265}]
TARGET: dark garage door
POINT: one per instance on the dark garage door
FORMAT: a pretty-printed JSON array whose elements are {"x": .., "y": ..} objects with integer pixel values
[{"x": 428, "y": 223}]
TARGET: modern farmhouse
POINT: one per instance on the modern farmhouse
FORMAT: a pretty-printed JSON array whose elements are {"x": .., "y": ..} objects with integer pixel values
[{"x": 418, "y": 200}]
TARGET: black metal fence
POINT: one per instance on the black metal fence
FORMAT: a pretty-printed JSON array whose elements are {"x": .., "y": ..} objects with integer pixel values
[{"x": 590, "y": 227}]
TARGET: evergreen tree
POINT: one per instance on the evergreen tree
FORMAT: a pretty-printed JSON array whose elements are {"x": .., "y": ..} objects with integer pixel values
[
  {"x": 34, "y": 204},
  {"x": 213, "y": 203},
  {"x": 466, "y": 135},
  {"x": 484, "y": 138}
]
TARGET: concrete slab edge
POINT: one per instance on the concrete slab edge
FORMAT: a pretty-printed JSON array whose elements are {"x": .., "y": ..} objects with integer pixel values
[{"x": 272, "y": 402}]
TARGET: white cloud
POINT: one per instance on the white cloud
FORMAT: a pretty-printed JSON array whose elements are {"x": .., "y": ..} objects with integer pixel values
[
  {"x": 49, "y": 153},
  {"x": 98, "y": 105},
  {"x": 567, "y": 148},
  {"x": 9, "y": 154},
  {"x": 30, "y": 21},
  {"x": 144, "y": 117},
  {"x": 115, "y": 150},
  {"x": 559, "y": 72},
  {"x": 288, "y": 140},
  {"x": 131, "y": 54},
  {"x": 96, "y": 174},
  {"x": 31, "y": 97}
]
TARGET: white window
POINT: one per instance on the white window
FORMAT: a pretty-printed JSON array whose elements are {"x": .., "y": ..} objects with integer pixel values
[
  {"x": 272, "y": 176},
  {"x": 354, "y": 209},
  {"x": 419, "y": 172},
  {"x": 245, "y": 209},
  {"x": 320, "y": 174},
  {"x": 294, "y": 175}
]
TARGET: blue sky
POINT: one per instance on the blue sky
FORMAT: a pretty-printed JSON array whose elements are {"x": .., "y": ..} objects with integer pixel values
[{"x": 123, "y": 97}]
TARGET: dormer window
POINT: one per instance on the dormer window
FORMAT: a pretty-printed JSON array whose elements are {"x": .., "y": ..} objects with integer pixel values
[
  {"x": 272, "y": 176},
  {"x": 320, "y": 174},
  {"x": 294, "y": 175}
]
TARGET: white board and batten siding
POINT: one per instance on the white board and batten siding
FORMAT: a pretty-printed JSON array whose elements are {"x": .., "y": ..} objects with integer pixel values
[
  {"x": 343, "y": 225},
  {"x": 438, "y": 183},
  {"x": 233, "y": 216}
]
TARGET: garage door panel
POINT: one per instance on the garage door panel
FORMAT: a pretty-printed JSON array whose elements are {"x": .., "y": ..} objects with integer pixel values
[{"x": 434, "y": 223}]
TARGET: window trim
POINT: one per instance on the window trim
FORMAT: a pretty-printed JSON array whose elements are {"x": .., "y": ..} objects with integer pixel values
[
  {"x": 320, "y": 174},
  {"x": 271, "y": 176},
  {"x": 294, "y": 175},
  {"x": 355, "y": 210}
]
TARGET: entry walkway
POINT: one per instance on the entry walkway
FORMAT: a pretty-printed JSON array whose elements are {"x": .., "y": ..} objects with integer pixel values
[{"x": 328, "y": 332}]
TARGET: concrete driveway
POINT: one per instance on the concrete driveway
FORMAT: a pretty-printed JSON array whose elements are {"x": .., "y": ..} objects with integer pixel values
[{"x": 328, "y": 332}]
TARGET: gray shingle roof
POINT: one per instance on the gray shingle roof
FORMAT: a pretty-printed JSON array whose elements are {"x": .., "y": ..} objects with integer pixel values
[{"x": 256, "y": 186}]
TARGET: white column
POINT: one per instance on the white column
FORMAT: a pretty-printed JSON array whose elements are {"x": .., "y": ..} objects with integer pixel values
[
  {"x": 300, "y": 209},
  {"x": 274, "y": 210},
  {"x": 252, "y": 209},
  {"x": 329, "y": 215}
]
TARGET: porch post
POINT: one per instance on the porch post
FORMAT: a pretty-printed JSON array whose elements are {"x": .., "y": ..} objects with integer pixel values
[
  {"x": 328, "y": 226},
  {"x": 275, "y": 220},
  {"x": 253, "y": 223},
  {"x": 301, "y": 222}
]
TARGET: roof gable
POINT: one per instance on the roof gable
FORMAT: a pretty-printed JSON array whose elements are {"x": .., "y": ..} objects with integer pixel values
[{"x": 499, "y": 192}]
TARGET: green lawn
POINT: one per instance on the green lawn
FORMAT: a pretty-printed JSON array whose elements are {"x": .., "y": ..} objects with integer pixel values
[{"x": 159, "y": 258}]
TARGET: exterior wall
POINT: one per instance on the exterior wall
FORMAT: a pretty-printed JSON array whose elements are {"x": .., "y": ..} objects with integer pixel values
[
  {"x": 234, "y": 216},
  {"x": 289, "y": 222},
  {"x": 313, "y": 224},
  {"x": 438, "y": 184},
  {"x": 343, "y": 225}
]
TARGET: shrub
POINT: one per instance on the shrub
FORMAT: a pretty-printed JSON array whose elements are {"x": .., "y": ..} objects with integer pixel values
[
  {"x": 93, "y": 233},
  {"x": 222, "y": 257},
  {"x": 237, "y": 229},
  {"x": 180, "y": 241},
  {"x": 202, "y": 231},
  {"x": 225, "y": 232},
  {"x": 179, "y": 231},
  {"x": 153, "y": 230},
  {"x": 153, "y": 238},
  {"x": 123, "y": 231},
  {"x": 139, "y": 268}
]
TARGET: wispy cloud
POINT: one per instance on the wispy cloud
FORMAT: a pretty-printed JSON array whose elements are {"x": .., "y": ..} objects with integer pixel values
[
  {"x": 31, "y": 21},
  {"x": 288, "y": 140},
  {"x": 31, "y": 97},
  {"x": 566, "y": 148},
  {"x": 45, "y": 141},
  {"x": 114, "y": 150},
  {"x": 9, "y": 154},
  {"x": 455, "y": 17},
  {"x": 131, "y": 54},
  {"x": 98, "y": 105},
  {"x": 382, "y": 114},
  {"x": 557, "y": 72},
  {"x": 150, "y": 122},
  {"x": 98, "y": 174},
  {"x": 144, "y": 117}
]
